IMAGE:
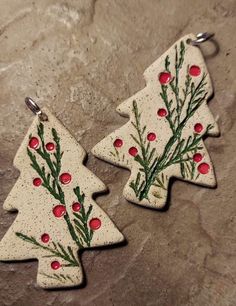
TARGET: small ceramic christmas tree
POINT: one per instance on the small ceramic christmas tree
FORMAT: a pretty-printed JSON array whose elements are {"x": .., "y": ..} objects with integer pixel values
[
  {"x": 169, "y": 119},
  {"x": 56, "y": 213}
]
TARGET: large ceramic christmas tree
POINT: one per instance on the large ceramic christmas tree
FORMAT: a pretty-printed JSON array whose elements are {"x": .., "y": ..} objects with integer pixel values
[
  {"x": 169, "y": 119},
  {"x": 56, "y": 213}
]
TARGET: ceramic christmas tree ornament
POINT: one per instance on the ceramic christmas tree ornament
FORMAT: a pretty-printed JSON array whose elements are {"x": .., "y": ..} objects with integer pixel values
[
  {"x": 57, "y": 216},
  {"x": 169, "y": 120}
]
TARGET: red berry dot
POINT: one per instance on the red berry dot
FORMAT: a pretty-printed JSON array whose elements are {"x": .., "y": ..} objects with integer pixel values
[
  {"x": 162, "y": 112},
  {"x": 198, "y": 128},
  {"x": 33, "y": 143},
  {"x": 151, "y": 136},
  {"x": 65, "y": 178},
  {"x": 133, "y": 151},
  {"x": 164, "y": 77},
  {"x": 194, "y": 70},
  {"x": 95, "y": 223},
  {"x": 55, "y": 265},
  {"x": 76, "y": 206},
  {"x": 197, "y": 157},
  {"x": 50, "y": 146},
  {"x": 37, "y": 182},
  {"x": 59, "y": 211},
  {"x": 203, "y": 168},
  {"x": 118, "y": 143},
  {"x": 45, "y": 238}
]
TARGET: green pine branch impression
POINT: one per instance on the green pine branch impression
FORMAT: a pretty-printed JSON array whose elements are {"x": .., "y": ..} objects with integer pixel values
[
  {"x": 146, "y": 159},
  {"x": 58, "y": 277},
  {"x": 81, "y": 220},
  {"x": 80, "y": 232},
  {"x": 56, "y": 249},
  {"x": 178, "y": 150}
]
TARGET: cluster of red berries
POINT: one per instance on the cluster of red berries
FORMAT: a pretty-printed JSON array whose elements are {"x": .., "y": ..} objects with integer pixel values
[
  {"x": 65, "y": 178},
  {"x": 165, "y": 77},
  {"x": 133, "y": 151},
  {"x": 59, "y": 211},
  {"x": 203, "y": 168},
  {"x": 34, "y": 144}
]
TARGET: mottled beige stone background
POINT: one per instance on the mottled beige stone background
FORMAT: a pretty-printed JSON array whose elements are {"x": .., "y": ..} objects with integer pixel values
[{"x": 81, "y": 58}]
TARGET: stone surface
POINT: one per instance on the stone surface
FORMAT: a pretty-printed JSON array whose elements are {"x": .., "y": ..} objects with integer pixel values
[{"x": 82, "y": 59}]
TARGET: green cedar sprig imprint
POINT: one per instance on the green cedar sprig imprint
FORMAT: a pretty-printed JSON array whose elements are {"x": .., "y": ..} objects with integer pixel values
[
  {"x": 180, "y": 110},
  {"x": 81, "y": 219},
  {"x": 78, "y": 228},
  {"x": 56, "y": 250}
]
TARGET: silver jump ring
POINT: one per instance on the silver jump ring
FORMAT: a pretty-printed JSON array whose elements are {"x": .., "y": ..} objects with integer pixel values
[
  {"x": 201, "y": 37},
  {"x": 33, "y": 106}
]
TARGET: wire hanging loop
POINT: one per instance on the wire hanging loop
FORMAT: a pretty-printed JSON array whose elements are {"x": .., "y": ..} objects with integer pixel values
[
  {"x": 33, "y": 106},
  {"x": 200, "y": 38}
]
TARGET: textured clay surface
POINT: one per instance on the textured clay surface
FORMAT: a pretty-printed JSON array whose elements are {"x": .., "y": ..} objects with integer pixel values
[{"x": 82, "y": 59}]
